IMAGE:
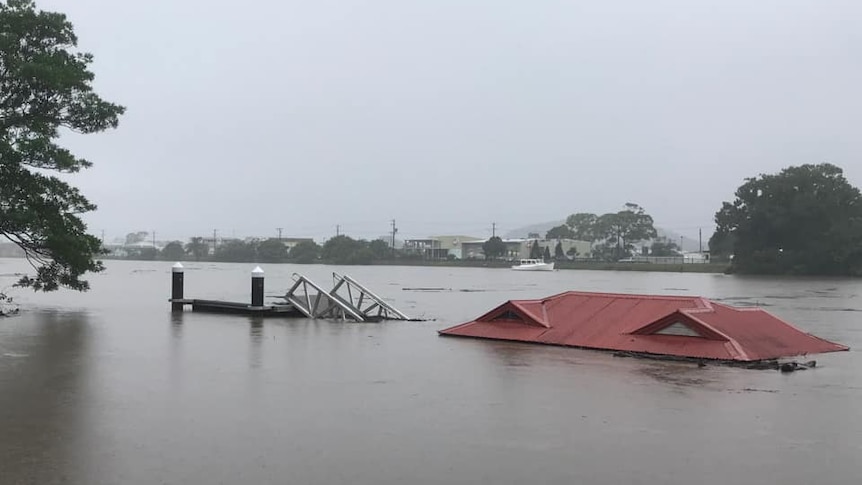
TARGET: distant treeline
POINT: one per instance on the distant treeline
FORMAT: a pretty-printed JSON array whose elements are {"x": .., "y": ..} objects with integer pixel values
[{"x": 337, "y": 250}]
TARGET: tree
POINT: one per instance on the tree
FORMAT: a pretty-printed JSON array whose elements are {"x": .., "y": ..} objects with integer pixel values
[
  {"x": 623, "y": 228},
  {"x": 236, "y": 252},
  {"x": 547, "y": 254},
  {"x": 346, "y": 250},
  {"x": 560, "y": 232},
  {"x": 145, "y": 253},
  {"x": 272, "y": 251},
  {"x": 136, "y": 237},
  {"x": 173, "y": 251},
  {"x": 304, "y": 252},
  {"x": 535, "y": 250},
  {"x": 45, "y": 86},
  {"x": 558, "y": 252},
  {"x": 583, "y": 226},
  {"x": 803, "y": 220},
  {"x": 494, "y": 248},
  {"x": 197, "y": 248},
  {"x": 379, "y": 249},
  {"x": 664, "y": 247}
]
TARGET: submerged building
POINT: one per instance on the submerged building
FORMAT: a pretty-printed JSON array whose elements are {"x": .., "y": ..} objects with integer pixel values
[{"x": 680, "y": 326}]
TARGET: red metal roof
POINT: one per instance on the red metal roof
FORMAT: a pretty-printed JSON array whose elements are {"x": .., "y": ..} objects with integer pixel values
[{"x": 684, "y": 326}]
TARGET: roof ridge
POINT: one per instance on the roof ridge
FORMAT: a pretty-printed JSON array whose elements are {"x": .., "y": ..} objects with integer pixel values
[{"x": 636, "y": 296}]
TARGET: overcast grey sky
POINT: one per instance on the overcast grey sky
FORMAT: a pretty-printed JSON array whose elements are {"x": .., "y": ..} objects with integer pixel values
[{"x": 449, "y": 115}]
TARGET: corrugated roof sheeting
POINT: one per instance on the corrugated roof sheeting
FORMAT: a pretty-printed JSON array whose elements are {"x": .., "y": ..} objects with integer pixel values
[{"x": 629, "y": 323}]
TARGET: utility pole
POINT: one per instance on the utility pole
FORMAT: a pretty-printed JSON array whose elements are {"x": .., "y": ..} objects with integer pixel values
[
  {"x": 493, "y": 229},
  {"x": 394, "y": 230},
  {"x": 700, "y": 239},
  {"x": 279, "y": 232}
]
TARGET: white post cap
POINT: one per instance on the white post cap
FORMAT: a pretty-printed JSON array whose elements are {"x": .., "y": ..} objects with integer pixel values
[
  {"x": 177, "y": 268},
  {"x": 257, "y": 272}
]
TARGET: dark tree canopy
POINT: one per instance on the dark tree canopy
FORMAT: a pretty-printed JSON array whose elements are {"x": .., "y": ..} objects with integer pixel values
[
  {"x": 803, "y": 220},
  {"x": 558, "y": 251},
  {"x": 45, "y": 88},
  {"x": 560, "y": 232},
  {"x": 663, "y": 247},
  {"x": 305, "y": 252},
  {"x": 535, "y": 250},
  {"x": 272, "y": 251},
  {"x": 612, "y": 233},
  {"x": 346, "y": 250},
  {"x": 236, "y": 251},
  {"x": 582, "y": 226},
  {"x": 197, "y": 248},
  {"x": 173, "y": 251},
  {"x": 494, "y": 248}
]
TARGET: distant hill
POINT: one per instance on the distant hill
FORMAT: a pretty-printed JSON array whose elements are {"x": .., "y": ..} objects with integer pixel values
[{"x": 689, "y": 242}]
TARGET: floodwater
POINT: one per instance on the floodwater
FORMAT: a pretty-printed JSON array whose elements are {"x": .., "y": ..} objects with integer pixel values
[{"x": 108, "y": 387}]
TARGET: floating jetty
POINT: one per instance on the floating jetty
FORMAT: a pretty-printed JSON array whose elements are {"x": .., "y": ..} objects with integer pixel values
[
  {"x": 675, "y": 326},
  {"x": 347, "y": 300}
]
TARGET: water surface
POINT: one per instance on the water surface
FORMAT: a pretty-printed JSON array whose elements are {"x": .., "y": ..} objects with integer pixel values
[{"x": 108, "y": 387}]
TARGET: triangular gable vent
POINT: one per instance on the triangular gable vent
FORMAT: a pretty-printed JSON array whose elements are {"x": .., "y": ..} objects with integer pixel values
[
  {"x": 678, "y": 328},
  {"x": 509, "y": 315}
]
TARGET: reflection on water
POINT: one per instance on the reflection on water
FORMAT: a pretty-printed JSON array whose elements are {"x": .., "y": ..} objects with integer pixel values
[
  {"x": 43, "y": 386},
  {"x": 107, "y": 389},
  {"x": 255, "y": 353}
]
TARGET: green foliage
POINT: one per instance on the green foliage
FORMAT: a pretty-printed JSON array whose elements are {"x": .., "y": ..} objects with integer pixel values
[
  {"x": 143, "y": 254},
  {"x": 625, "y": 227},
  {"x": 535, "y": 250},
  {"x": 379, "y": 249},
  {"x": 664, "y": 248},
  {"x": 173, "y": 251},
  {"x": 494, "y": 248},
  {"x": 197, "y": 248},
  {"x": 803, "y": 220},
  {"x": 272, "y": 251},
  {"x": 305, "y": 252},
  {"x": 613, "y": 232},
  {"x": 46, "y": 86},
  {"x": 558, "y": 251},
  {"x": 236, "y": 252},
  {"x": 136, "y": 237},
  {"x": 560, "y": 232},
  {"x": 583, "y": 226},
  {"x": 346, "y": 250}
]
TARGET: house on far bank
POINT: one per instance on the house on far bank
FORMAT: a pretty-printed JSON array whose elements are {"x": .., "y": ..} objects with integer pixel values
[
  {"x": 521, "y": 248},
  {"x": 439, "y": 247}
]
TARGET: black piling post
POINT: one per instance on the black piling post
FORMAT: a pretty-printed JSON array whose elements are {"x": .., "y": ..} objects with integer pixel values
[
  {"x": 257, "y": 287},
  {"x": 176, "y": 287}
]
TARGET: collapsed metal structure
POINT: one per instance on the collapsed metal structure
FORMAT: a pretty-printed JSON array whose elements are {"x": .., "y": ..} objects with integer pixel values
[{"x": 347, "y": 299}]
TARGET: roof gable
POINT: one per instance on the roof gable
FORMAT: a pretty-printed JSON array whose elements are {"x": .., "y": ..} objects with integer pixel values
[
  {"x": 525, "y": 312},
  {"x": 682, "y": 323}
]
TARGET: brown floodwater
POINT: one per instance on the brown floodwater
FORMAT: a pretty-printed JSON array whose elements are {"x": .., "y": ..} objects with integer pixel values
[{"x": 109, "y": 387}]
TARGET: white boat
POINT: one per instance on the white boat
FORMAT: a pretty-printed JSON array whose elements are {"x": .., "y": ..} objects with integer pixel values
[{"x": 533, "y": 265}]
